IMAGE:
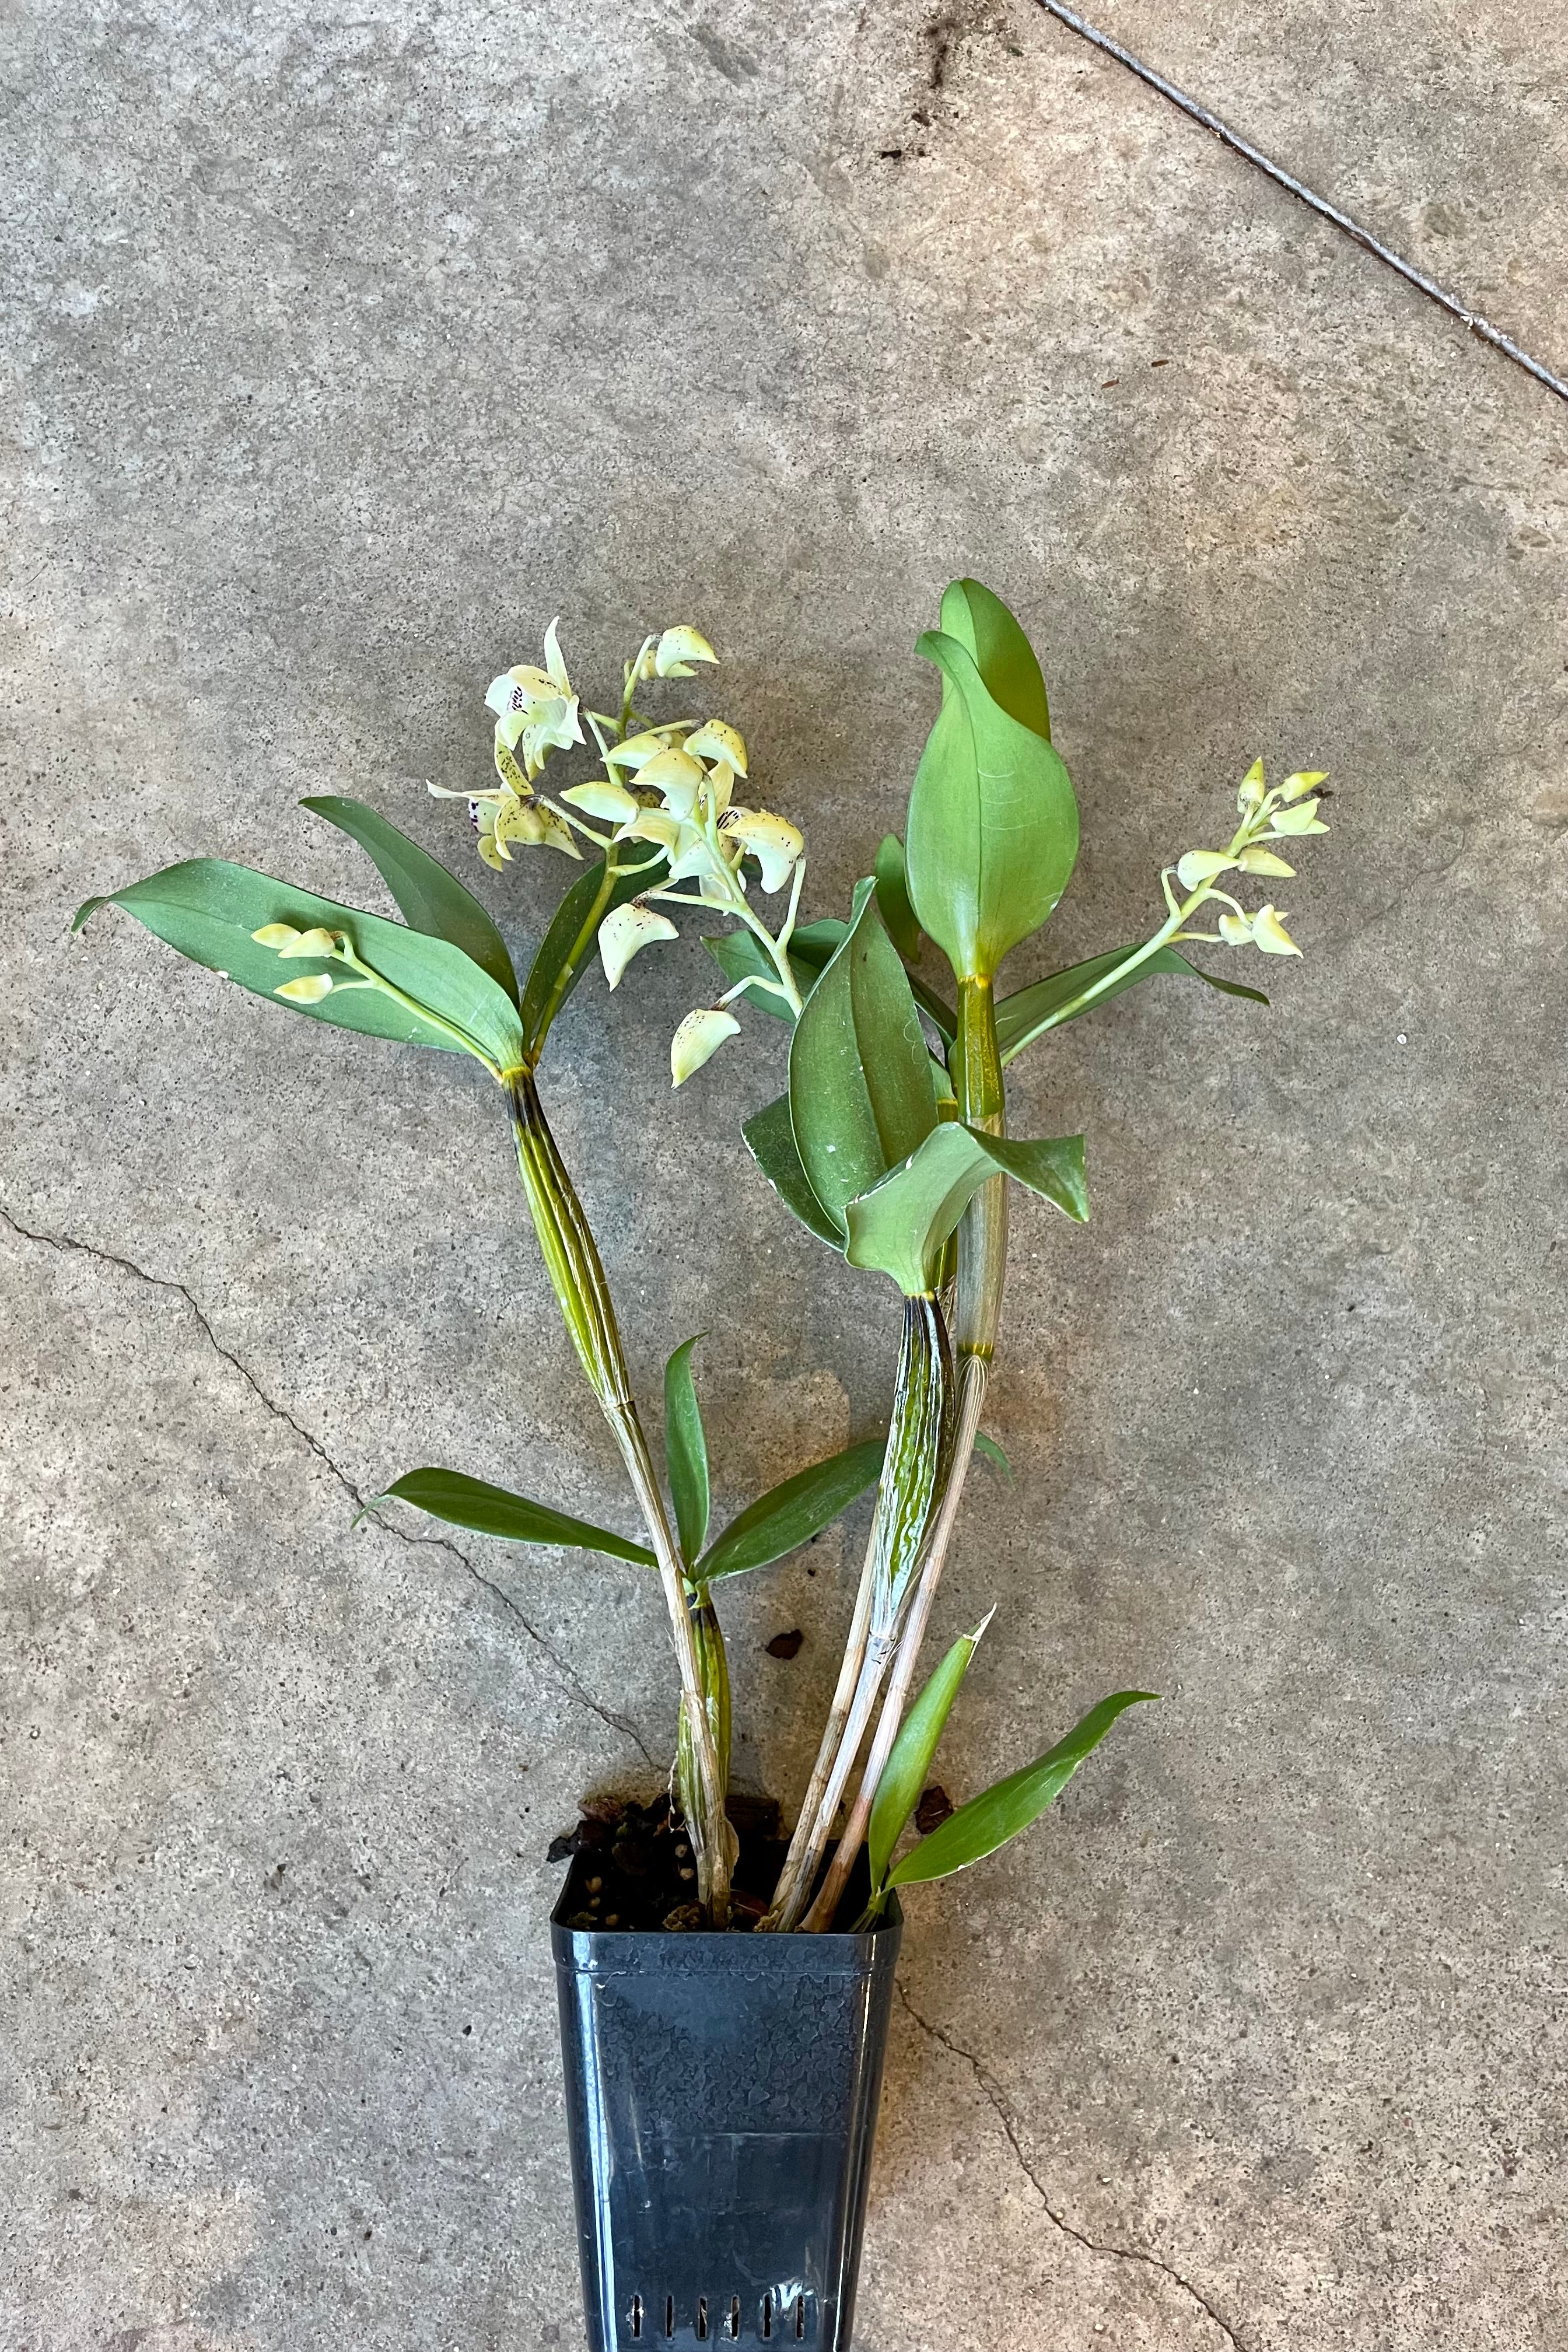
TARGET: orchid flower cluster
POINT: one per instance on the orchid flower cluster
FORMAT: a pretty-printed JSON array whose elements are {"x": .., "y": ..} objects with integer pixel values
[{"x": 670, "y": 786}]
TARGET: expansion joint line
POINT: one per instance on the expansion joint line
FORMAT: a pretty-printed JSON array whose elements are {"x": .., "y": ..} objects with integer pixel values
[{"x": 1478, "y": 326}]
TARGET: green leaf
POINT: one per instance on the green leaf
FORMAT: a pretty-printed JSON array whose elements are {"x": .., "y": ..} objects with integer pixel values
[
  {"x": 893, "y": 898},
  {"x": 989, "y": 1451},
  {"x": 496, "y": 1511},
  {"x": 431, "y": 899},
  {"x": 207, "y": 909},
  {"x": 567, "y": 947},
  {"x": 904, "y": 1773},
  {"x": 770, "y": 1138},
  {"x": 1003, "y": 654},
  {"x": 860, "y": 1092},
  {"x": 788, "y": 1516},
  {"x": 1050, "y": 1003},
  {"x": 899, "y": 1225},
  {"x": 992, "y": 824},
  {"x": 686, "y": 1452},
  {"x": 988, "y": 1820}
]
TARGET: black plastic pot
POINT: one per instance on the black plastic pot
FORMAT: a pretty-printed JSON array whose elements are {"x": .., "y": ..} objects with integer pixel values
[{"x": 721, "y": 2096}]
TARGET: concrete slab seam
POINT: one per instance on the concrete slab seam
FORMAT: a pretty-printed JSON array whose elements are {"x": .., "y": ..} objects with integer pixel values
[
  {"x": 1478, "y": 326},
  {"x": 572, "y": 1686},
  {"x": 992, "y": 2092}
]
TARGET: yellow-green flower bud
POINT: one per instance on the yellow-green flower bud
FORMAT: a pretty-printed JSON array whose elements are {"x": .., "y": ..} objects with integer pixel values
[
  {"x": 309, "y": 989},
  {"x": 316, "y": 942},
  {"x": 275, "y": 935},
  {"x": 1258, "y": 860},
  {"x": 1202, "y": 866}
]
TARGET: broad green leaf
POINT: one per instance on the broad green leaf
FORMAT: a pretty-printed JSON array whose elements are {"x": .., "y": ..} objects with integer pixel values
[
  {"x": 810, "y": 949},
  {"x": 992, "y": 824},
  {"x": 904, "y": 1773},
  {"x": 567, "y": 947},
  {"x": 988, "y": 1820},
  {"x": 1003, "y": 654},
  {"x": 686, "y": 1452},
  {"x": 1050, "y": 1003},
  {"x": 989, "y": 1451},
  {"x": 770, "y": 1138},
  {"x": 431, "y": 899},
  {"x": 207, "y": 909},
  {"x": 496, "y": 1511},
  {"x": 860, "y": 1091},
  {"x": 790, "y": 1514},
  {"x": 893, "y": 898},
  {"x": 899, "y": 1225}
]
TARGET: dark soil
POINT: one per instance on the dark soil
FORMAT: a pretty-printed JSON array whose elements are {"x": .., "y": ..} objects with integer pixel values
[{"x": 632, "y": 1869}]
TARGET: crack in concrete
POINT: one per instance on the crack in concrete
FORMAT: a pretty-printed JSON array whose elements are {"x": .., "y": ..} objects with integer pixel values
[
  {"x": 1481, "y": 328},
  {"x": 574, "y": 1686},
  {"x": 993, "y": 2091}
]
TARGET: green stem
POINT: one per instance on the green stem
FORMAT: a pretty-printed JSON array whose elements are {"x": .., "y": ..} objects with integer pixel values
[
  {"x": 577, "y": 1277},
  {"x": 580, "y": 947},
  {"x": 913, "y": 1473}
]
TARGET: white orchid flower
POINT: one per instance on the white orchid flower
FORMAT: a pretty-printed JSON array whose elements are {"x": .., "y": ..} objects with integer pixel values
[
  {"x": 1269, "y": 934},
  {"x": 772, "y": 841},
  {"x": 611, "y": 802},
  {"x": 503, "y": 820},
  {"x": 720, "y": 785},
  {"x": 676, "y": 777},
  {"x": 717, "y": 740},
  {"x": 636, "y": 751},
  {"x": 665, "y": 831},
  {"x": 624, "y": 931},
  {"x": 697, "y": 1039},
  {"x": 536, "y": 707}
]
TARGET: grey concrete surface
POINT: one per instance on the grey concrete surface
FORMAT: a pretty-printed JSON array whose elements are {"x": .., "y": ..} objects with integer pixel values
[{"x": 350, "y": 346}]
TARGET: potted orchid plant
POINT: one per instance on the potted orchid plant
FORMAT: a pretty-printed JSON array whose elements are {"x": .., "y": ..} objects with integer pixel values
[{"x": 722, "y": 2085}]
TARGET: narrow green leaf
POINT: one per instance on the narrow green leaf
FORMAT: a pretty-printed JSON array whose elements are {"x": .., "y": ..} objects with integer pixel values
[
  {"x": 899, "y": 1225},
  {"x": 1003, "y": 654},
  {"x": 496, "y": 1511},
  {"x": 788, "y": 1516},
  {"x": 770, "y": 1138},
  {"x": 989, "y": 1451},
  {"x": 567, "y": 947},
  {"x": 686, "y": 1452},
  {"x": 904, "y": 1774},
  {"x": 860, "y": 1091},
  {"x": 992, "y": 824},
  {"x": 893, "y": 898},
  {"x": 988, "y": 1820},
  {"x": 1050, "y": 1003},
  {"x": 431, "y": 899},
  {"x": 208, "y": 911}
]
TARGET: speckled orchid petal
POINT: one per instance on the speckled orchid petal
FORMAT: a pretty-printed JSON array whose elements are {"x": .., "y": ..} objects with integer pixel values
[
  {"x": 624, "y": 931},
  {"x": 697, "y": 1039}
]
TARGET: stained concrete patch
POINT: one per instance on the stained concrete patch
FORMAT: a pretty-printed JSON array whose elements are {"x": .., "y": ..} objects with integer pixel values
[{"x": 351, "y": 349}]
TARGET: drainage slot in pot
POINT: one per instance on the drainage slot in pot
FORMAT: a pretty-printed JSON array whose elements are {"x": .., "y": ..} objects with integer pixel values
[
  {"x": 734, "y": 2319},
  {"x": 670, "y": 2315},
  {"x": 701, "y": 2319},
  {"x": 636, "y": 2317},
  {"x": 799, "y": 2318},
  {"x": 767, "y": 2316}
]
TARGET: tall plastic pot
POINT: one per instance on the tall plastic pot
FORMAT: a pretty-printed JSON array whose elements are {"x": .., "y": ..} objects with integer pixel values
[{"x": 721, "y": 2097}]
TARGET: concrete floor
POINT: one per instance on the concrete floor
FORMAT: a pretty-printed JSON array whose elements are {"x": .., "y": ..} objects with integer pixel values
[{"x": 353, "y": 344}]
